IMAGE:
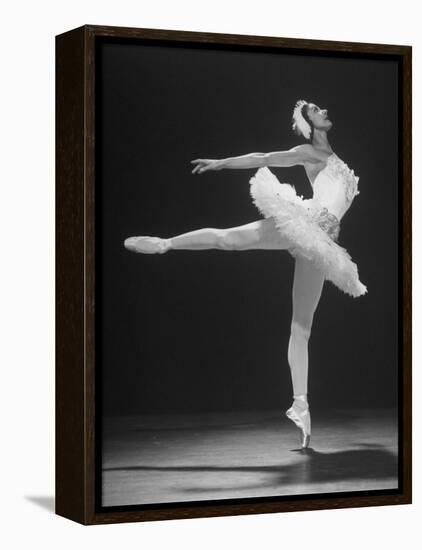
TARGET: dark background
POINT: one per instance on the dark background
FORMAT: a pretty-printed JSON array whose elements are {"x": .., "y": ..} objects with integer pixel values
[{"x": 208, "y": 330}]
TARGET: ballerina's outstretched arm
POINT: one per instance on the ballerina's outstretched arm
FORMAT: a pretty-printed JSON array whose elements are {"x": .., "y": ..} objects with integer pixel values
[{"x": 292, "y": 157}]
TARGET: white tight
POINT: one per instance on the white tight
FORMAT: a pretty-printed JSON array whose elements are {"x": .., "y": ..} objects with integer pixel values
[
  {"x": 261, "y": 234},
  {"x": 307, "y": 288},
  {"x": 307, "y": 285}
]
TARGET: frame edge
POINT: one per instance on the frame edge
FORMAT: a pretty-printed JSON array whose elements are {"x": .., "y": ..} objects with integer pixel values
[{"x": 69, "y": 368}]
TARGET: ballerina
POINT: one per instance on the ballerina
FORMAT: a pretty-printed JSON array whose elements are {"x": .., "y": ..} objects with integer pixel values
[{"x": 307, "y": 228}]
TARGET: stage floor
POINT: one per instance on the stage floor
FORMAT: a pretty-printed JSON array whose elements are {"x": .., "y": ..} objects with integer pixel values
[{"x": 214, "y": 456}]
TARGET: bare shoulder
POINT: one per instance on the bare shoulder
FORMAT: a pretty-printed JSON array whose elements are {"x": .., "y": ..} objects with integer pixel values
[
  {"x": 310, "y": 154},
  {"x": 305, "y": 152}
]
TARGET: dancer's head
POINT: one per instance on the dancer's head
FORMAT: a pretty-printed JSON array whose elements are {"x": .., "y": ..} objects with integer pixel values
[{"x": 308, "y": 117}]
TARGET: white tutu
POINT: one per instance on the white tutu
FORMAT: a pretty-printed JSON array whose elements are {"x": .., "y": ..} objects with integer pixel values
[{"x": 309, "y": 229}]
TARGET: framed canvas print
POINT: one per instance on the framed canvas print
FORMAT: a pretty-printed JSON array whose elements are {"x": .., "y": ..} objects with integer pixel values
[{"x": 233, "y": 269}]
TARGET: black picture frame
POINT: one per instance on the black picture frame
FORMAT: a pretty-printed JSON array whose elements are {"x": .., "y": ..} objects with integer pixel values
[{"x": 78, "y": 370}]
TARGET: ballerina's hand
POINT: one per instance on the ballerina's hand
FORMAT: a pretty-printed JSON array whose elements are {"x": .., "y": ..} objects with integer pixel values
[{"x": 202, "y": 165}]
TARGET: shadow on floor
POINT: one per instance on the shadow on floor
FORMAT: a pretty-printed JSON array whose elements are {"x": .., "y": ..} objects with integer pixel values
[{"x": 369, "y": 462}]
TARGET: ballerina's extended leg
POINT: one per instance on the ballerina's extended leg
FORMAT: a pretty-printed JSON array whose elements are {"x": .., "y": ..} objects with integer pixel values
[
  {"x": 147, "y": 245},
  {"x": 307, "y": 288},
  {"x": 261, "y": 234}
]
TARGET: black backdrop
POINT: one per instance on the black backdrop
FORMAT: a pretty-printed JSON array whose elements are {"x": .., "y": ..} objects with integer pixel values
[{"x": 208, "y": 330}]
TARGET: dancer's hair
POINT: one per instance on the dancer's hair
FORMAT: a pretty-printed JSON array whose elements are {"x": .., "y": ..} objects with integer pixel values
[{"x": 302, "y": 124}]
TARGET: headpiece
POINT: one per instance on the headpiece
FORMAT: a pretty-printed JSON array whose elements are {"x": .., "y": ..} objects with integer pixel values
[{"x": 299, "y": 121}]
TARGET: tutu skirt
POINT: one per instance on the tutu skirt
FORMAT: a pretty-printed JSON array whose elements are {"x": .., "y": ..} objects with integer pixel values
[{"x": 310, "y": 230}]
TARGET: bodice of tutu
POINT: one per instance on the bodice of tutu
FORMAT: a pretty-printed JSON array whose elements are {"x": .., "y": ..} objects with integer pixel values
[{"x": 335, "y": 186}]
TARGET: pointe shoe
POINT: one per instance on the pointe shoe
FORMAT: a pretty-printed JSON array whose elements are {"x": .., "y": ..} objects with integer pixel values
[
  {"x": 147, "y": 245},
  {"x": 302, "y": 419}
]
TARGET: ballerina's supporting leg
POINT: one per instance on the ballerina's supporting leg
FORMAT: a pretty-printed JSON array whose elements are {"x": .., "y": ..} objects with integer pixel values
[
  {"x": 307, "y": 287},
  {"x": 261, "y": 234}
]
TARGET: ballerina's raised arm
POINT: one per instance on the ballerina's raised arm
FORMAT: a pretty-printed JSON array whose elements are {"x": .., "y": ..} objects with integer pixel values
[{"x": 296, "y": 156}]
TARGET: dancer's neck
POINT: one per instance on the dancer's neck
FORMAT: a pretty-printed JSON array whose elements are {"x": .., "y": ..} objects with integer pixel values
[{"x": 320, "y": 141}]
